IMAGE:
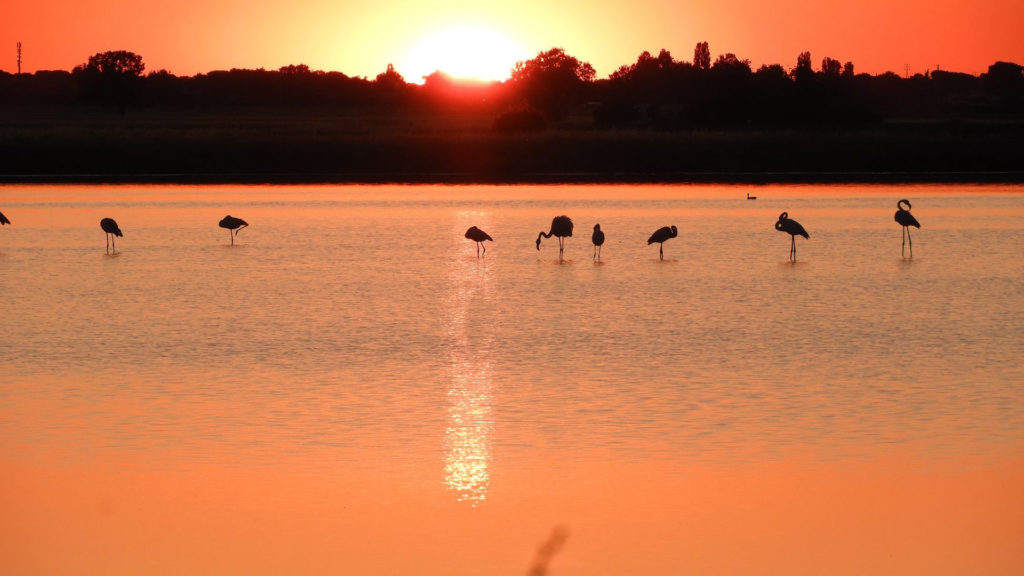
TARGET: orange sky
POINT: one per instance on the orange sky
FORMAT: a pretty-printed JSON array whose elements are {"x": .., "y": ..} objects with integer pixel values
[{"x": 360, "y": 38}]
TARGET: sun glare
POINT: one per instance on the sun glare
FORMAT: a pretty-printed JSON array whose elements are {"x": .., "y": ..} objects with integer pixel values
[{"x": 463, "y": 52}]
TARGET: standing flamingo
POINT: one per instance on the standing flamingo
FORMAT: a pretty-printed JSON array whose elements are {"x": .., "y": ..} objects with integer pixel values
[
  {"x": 660, "y": 236},
  {"x": 479, "y": 236},
  {"x": 234, "y": 226},
  {"x": 110, "y": 227},
  {"x": 598, "y": 240},
  {"x": 794, "y": 229},
  {"x": 561, "y": 226},
  {"x": 3, "y": 220},
  {"x": 904, "y": 218}
]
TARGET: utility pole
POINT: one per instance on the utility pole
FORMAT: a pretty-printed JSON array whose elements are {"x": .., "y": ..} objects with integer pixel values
[{"x": 19, "y": 57}]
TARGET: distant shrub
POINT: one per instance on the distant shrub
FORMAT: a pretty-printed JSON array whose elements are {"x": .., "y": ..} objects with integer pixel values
[{"x": 520, "y": 119}]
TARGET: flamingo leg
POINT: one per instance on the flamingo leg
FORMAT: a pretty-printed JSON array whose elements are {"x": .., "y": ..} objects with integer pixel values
[
  {"x": 107, "y": 236},
  {"x": 910, "y": 240},
  {"x": 661, "y": 251},
  {"x": 903, "y": 251},
  {"x": 792, "y": 248}
]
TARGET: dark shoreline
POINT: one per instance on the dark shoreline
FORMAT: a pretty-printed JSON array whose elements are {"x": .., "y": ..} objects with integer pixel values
[
  {"x": 286, "y": 146},
  {"x": 758, "y": 178}
]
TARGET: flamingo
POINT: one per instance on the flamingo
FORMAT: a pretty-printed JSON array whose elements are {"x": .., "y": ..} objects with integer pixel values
[
  {"x": 905, "y": 219},
  {"x": 110, "y": 227},
  {"x": 660, "y": 236},
  {"x": 479, "y": 236},
  {"x": 234, "y": 226},
  {"x": 598, "y": 239},
  {"x": 794, "y": 229},
  {"x": 749, "y": 197},
  {"x": 3, "y": 220},
  {"x": 561, "y": 226}
]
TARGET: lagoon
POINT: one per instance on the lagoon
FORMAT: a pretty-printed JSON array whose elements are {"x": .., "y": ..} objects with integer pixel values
[{"x": 350, "y": 389}]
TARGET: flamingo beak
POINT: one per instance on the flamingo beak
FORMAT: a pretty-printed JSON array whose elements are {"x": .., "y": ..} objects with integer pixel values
[{"x": 538, "y": 244}]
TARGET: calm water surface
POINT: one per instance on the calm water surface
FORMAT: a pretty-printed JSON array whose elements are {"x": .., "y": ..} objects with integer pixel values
[{"x": 350, "y": 389}]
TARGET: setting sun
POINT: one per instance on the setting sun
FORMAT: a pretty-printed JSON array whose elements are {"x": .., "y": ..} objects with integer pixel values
[{"x": 463, "y": 52}]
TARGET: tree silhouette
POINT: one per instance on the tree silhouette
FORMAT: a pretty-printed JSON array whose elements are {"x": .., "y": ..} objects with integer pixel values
[
  {"x": 702, "y": 56},
  {"x": 115, "y": 63},
  {"x": 803, "y": 73},
  {"x": 830, "y": 67},
  {"x": 111, "y": 78},
  {"x": 390, "y": 78},
  {"x": 553, "y": 81}
]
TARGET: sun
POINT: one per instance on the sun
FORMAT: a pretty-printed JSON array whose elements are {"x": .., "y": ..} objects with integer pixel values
[{"x": 469, "y": 52}]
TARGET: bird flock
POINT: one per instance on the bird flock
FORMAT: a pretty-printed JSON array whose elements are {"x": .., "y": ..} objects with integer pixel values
[{"x": 561, "y": 228}]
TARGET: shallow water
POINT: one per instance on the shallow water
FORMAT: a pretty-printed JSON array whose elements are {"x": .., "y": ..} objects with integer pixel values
[{"x": 351, "y": 389}]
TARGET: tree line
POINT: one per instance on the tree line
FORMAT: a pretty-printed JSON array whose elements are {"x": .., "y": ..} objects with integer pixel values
[{"x": 656, "y": 92}]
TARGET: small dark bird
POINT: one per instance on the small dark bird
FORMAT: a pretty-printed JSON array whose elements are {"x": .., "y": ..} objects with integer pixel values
[
  {"x": 598, "y": 239},
  {"x": 110, "y": 227},
  {"x": 660, "y": 236},
  {"x": 794, "y": 229},
  {"x": 3, "y": 220},
  {"x": 234, "y": 226},
  {"x": 561, "y": 227},
  {"x": 479, "y": 236},
  {"x": 904, "y": 218},
  {"x": 749, "y": 197}
]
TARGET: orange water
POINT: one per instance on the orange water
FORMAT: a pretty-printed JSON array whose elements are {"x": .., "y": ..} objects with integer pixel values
[{"x": 350, "y": 390}]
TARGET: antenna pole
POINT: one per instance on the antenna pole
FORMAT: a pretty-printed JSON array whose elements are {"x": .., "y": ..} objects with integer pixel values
[{"x": 19, "y": 57}]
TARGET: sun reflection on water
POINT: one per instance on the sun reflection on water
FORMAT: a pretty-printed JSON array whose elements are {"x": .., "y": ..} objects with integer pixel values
[{"x": 470, "y": 420}]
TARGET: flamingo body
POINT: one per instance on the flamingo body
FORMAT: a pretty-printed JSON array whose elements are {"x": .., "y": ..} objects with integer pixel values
[
  {"x": 661, "y": 235},
  {"x": 794, "y": 229},
  {"x": 561, "y": 227},
  {"x": 3, "y": 220},
  {"x": 233, "y": 225},
  {"x": 111, "y": 229},
  {"x": 598, "y": 239},
  {"x": 479, "y": 236},
  {"x": 904, "y": 218}
]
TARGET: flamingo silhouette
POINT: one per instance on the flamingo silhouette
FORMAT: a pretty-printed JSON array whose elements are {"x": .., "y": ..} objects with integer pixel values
[
  {"x": 749, "y": 197},
  {"x": 234, "y": 226},
  {"x": 905, "y": 219},
  {"x": 561, "y": 226},
  {"x": 110, "y": 227},
  {"x": 479, "y": 236},
  {"x": 598, "y": 239},
  {"x": 794, "y": 229},
  {"x": 660, "y": 236},
  {"x": 3, "y": 220}
]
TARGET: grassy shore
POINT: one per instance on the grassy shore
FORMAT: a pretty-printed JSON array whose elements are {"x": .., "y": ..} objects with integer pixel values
[{"x": 293, "y": 145}]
